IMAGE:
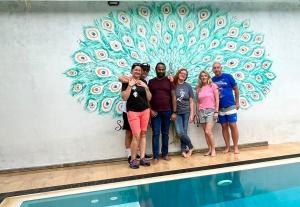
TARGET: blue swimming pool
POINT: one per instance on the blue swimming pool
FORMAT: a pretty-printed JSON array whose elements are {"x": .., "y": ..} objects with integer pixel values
[{"x": 268, "y": 186}]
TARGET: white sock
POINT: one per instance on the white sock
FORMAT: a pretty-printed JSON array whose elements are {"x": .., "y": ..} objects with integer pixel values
[{"x": 128, "y": 152}]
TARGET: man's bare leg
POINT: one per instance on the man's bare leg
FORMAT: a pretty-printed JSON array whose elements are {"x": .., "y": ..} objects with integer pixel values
[
  {"x": 235, "y": 136},
  {"x": 226, "y": 136}
]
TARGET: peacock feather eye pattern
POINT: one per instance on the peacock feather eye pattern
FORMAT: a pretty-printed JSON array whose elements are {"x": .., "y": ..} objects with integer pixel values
[
  {"x": 243, "y": 49},
  {"x": 178, "y": 34},
  {"x": 92, "y": 34},
  {"x": 91, "y": 105},
  {"x": 119, "y": 107},
  {"x": 101, "y": 54},
  {"x": 71, "y": 73},
  {"x": 204, "y": 14},
  {"x": 115, "y": 87},
  {"x": 81, "y": 57},
  {"x": 103, "y": 72},
  {"x": 96, "y": 89},
  {"x": 124, "y": 19},
  {"x": 107, "y": 104}
]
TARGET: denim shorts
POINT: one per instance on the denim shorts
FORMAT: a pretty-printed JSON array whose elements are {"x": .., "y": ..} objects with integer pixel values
[{"x": 206, "y": 116}]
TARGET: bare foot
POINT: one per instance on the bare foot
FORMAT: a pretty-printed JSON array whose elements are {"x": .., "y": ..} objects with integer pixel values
[
  {"x": 227, "y": 150},
  {"x": 213, "y": 153},
  {"x": 208, "y": 153},
  {"x": 184, "y": 155},
  {"x": 236, "y": 151},
  {"x": 190, "y": 152}
]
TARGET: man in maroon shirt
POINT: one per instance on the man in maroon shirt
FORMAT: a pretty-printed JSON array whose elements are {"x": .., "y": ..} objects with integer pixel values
[{"x": 163, "y": 110}]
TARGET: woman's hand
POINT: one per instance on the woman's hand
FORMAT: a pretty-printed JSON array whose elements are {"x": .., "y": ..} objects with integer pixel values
[
  {"x": 153, "y": 113},
  {"x": 191, "y": 119},
  {"x": 216, "y": 114},
  {"x": 132, "y": 82},
  {"x": 141, "y": 83},
  {"x": 171, "y": 79}
]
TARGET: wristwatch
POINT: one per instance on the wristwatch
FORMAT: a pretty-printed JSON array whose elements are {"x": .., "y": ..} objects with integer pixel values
[{"x": 174, "y": 112}]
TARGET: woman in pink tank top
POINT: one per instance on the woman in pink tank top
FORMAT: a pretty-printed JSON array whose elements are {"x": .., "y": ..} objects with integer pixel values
[{"x": 207, "y": 95}]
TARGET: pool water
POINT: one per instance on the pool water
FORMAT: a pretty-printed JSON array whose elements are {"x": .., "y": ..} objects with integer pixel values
[{"x": 268, "y": 186}]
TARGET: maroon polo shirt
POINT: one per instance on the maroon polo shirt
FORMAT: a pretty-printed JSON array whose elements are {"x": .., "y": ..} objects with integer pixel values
[{"x": 161, "y": 94}]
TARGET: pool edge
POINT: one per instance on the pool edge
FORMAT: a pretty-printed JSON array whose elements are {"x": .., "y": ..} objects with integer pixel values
[{"x": 4, "y": 196}]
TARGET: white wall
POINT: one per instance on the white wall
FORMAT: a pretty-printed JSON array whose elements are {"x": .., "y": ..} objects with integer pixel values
[{"x": 41, "y": 124}]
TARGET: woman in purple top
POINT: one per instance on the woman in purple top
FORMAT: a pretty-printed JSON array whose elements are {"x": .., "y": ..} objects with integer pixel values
[{"x": 185, "y": 110}]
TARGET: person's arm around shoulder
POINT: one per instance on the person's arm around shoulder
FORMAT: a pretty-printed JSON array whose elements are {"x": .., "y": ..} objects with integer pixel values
[
  {"x": 171, "y": 78},
  {"x": 124, "y": 79}
]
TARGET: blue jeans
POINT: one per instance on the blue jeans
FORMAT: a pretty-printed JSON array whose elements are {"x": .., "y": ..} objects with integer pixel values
[
  {"x": 181, "y": 124},
  {"x": 160, "y": 123}
]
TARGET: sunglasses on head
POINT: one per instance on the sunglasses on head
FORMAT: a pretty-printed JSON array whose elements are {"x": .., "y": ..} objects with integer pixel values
[
  {"x": 141, "y": 64},
  {"x": 145, "y": 64},
  {"x": 136, "y": 64},
  {"x": 145, "y": 67}
]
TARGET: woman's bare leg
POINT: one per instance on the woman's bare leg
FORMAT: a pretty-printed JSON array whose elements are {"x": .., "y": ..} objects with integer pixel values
[
  {"x": 143, "y": 144},
  {"x": 210, "y": 137},
  {"x": 207, "y": 140},
  {"x": 134, "y": 145}
]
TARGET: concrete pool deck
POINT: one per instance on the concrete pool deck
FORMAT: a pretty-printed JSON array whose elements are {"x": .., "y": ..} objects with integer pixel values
[{"x": 43, "y": 180}]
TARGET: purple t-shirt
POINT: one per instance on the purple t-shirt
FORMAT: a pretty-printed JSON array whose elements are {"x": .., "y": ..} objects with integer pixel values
[{"x": 161, "y": 94}]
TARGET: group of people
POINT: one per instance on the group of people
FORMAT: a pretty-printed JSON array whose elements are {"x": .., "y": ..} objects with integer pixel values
[{"x": 164, "y": 99}]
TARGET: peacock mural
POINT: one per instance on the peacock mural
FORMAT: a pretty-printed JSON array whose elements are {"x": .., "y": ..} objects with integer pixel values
[{"x": 178, "y": 34}]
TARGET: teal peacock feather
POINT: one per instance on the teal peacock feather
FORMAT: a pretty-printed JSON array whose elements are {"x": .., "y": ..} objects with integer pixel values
[{"x": 178, "y": 34}]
